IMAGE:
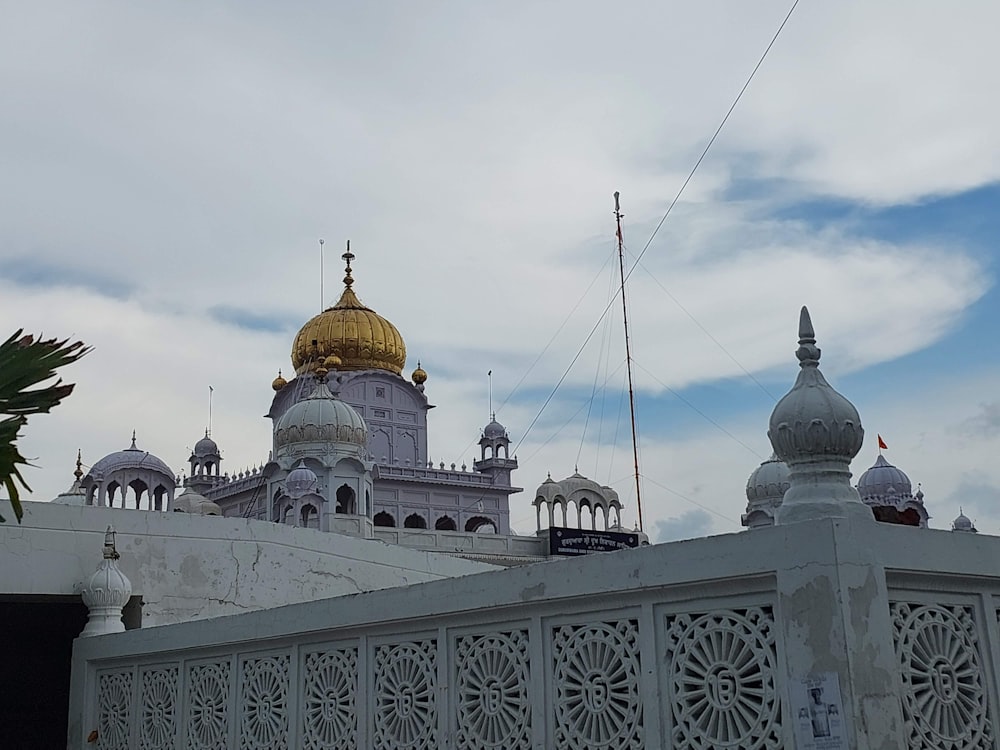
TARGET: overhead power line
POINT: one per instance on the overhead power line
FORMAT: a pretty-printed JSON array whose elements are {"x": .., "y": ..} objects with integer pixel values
[{"x": 649, "y": 242}]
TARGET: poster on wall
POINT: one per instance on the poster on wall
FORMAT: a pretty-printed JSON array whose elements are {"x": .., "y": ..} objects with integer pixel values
[{"x": 819, "y": 713}]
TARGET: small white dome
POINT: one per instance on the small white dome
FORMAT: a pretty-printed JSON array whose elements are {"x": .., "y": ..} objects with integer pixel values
[
  {"x": 883, "y": 479},
  {"x": 206, "y": 447},
  {"x": 196, "y": 504},
  {"x": 494, "y": 429},
  {"x": 963, "y": 523},
  {"x": 768, "y": 481},
  {"x": 320, "y": 418},
  {"x": 766, "y": 488},
  {"x": 301, "y": 481}
]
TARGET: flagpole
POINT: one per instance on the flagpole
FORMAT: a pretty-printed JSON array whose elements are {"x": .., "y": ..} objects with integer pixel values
[
  {"x": 489, "y": 375},
  {"x": 628, "y": 357},
  {"x": 210, "y": 392}
]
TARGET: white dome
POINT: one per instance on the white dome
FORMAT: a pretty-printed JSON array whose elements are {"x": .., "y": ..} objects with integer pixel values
[
  {"x": 883, "y": 479},
  {"x": 494, "y": 429},
  {"x": 963, "y": 523},
  {"x": 196, "y": 504},
  {"x": 301, "y": 481},
  {"x": 768, "y": 481},
  {"x": 812, "y": 421},
  {"x": 206, "y": 447},
  {"x": 320, "y": 418},
  {"x": 766, "y": 488},
  {"x": 132, "y": 458}
]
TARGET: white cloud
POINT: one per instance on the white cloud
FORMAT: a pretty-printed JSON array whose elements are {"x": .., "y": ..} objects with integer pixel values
[{"x": 193, "y": 159}]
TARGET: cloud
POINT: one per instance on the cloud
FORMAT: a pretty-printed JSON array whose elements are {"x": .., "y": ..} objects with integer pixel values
[
  {"x": 689, "y": 525},
  {"x": 254, "y": 320},
  {"x": 27, "y": 271},
  {"x": 163, "y": 200},
  {"x": 976, "y": 495},
  {"x": 984, "y": 424}
]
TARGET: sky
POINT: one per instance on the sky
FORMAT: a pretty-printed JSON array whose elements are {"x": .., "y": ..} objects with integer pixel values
[{"x": 166, "y": 172}]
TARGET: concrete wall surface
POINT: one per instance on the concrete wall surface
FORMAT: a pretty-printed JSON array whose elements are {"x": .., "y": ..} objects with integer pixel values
[
  {"x": 822, "y": 634},
  {"x": 188, "y": 567}
]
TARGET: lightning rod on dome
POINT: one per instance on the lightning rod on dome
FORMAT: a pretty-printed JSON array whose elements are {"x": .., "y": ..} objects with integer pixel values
[{"x": 322, "y": 294}]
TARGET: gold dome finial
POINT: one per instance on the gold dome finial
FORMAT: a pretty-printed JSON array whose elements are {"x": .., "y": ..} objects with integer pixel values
[
  {"x": 360, "y": 337},
  {"x": 348, "y": 257},
  {"x": 419, "y": 375},
  {"x": 79, "y": 466},
  {"x": 279, "y": 382},
  {"x": 332, "y": 362}
]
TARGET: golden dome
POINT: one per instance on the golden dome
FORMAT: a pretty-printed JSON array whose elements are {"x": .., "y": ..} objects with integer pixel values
[
  {"x": 279, "y": 382},
  {"x": 419, "y": 375},
  {"x": 357, "y": 335}
]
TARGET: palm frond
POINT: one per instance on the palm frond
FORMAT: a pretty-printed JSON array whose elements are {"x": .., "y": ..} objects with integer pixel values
[{"x": 26, "y": 362}]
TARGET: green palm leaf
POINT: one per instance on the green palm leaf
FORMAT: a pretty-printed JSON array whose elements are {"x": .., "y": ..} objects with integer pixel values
[{"x": 24, "y": 363}]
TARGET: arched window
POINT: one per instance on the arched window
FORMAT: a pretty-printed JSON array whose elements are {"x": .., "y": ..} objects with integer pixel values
[
  {"x": 276, "y": 507},
  {"x": 384, "y": 519},
  {"x": 445, "y": 523},
  {"x": 138, "y": 487},
  {"x": 415, "y": 521},
  {"x": 346, "y": 500},
  {"x": 309, "y": 518},
  {"x": 481, "y": 525}
]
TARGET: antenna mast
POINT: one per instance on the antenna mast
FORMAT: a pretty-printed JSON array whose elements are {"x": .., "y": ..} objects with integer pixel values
[
  {"x": 322, "y": 296},
  {"x": 628, "y": 357}
]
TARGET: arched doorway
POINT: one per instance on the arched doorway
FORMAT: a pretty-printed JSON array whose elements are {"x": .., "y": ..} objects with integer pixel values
[
  {"x": 481, "y": 525},
  {"x": 346, "y": 500},
  {"x": 415, "y": 521},
  {"x": 445, "y": 523}
]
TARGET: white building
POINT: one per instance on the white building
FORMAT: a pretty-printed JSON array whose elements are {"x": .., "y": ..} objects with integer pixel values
[{"x": 824, "y": 629}]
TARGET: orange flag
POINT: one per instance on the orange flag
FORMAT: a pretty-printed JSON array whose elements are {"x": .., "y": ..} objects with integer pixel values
[{"x": 881, "y": 443}]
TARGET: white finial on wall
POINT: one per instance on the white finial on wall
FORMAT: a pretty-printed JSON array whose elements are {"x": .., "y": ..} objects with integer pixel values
[{"x": 106, "y": 593}]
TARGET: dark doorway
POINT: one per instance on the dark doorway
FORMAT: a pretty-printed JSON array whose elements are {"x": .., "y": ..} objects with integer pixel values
[
  {"x": 444, "y": 523},
  {"x": 415, "y": 521},
  {"x": 37, "y": 634}
]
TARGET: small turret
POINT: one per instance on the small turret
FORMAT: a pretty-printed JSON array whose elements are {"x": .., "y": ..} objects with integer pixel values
[{"x": 495, "y": 460}]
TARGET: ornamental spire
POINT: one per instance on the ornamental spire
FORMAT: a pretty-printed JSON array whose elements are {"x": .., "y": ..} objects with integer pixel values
[
  {"x": 79, "y": 466},
  {"x": 816, "y": 431},
  {"x": 348, "y": 257}
]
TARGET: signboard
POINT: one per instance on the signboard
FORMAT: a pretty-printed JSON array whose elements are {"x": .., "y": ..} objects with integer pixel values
[
  {"x": 563, "y": 541},
  {"x": 819, "y": 713}
]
